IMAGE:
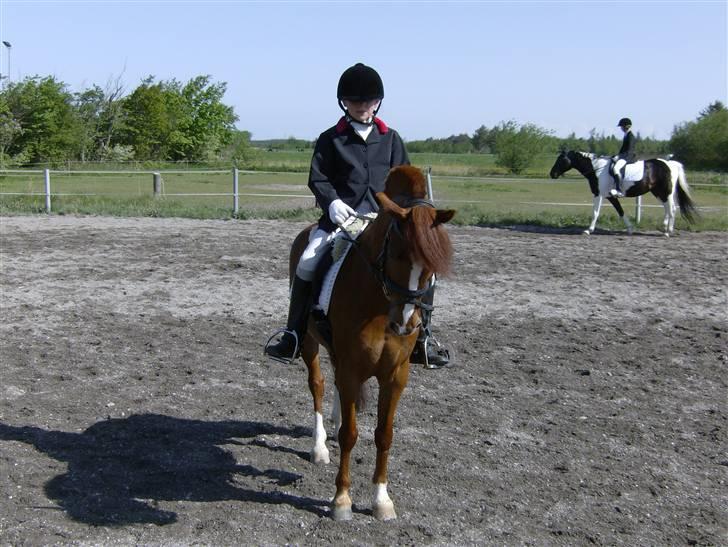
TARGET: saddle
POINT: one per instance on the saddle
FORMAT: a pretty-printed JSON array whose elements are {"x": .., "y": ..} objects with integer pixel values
[
  {"x": 328, "y": 269},
  {"x": 630, "y": 172}
]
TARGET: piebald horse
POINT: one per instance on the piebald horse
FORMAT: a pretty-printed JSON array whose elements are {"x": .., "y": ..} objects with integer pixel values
[
  {"x": 664, "y": 178},
  {"x": 375, "y": 316}
]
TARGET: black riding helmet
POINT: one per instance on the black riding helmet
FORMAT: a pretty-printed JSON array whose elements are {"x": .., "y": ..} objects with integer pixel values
[
  {"x": 624, "y": 122},
  {"x": 359, "y": 83}
]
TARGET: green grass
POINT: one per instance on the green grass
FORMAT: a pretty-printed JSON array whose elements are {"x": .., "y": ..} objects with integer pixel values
[
  {"x": 479, "y": 200},
  {"x": 442, "y": 164}
]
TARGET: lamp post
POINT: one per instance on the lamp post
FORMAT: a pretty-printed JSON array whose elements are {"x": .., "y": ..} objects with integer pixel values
[{"x": 9, "y": 46}]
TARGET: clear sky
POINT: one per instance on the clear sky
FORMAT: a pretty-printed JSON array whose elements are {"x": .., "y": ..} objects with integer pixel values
[{"x": 448, "y": 66}]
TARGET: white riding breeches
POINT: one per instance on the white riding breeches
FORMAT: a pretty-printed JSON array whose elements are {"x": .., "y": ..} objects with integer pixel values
[
  {"x": 319, "y": 241},
  {"x": 621, "y": 162}
]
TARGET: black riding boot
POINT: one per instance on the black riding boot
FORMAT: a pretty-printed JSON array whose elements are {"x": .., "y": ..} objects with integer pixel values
[
  {"x": 617, "y": 185},
  {"x": 289, "y": 346},
  {"x": 428, "y": 351}
]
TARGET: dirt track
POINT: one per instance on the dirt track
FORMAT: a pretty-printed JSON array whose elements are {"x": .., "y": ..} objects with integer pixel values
[{"x": 588, "y": 404}]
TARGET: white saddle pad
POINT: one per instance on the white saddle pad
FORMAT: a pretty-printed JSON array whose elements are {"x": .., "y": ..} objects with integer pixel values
[
  {"x": 633, "y": 172},
  {"x": 341, "y": 247}
]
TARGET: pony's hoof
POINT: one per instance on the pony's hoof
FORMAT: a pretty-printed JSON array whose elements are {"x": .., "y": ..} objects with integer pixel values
[
  {"x": 586, "y": 232},
  {"x": 320, "y": 455},
  {"x": 341, "y": 513},
  {"x": 666, "y": 234},
  {"x": 384, "y": 511}
]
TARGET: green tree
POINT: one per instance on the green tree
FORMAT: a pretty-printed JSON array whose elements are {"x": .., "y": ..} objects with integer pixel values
[
  {"x": 89, "y": 106},
  {"x": 44, "y": 109},
  {"x": 151, "y": 113},
  {"x": 703, "y": 143},
  {"x": 208, "y": 124},
  {"x": 516, "y": 147},
  {"x": 170, "y": 121},
  {"x": 10, "y": 129}
]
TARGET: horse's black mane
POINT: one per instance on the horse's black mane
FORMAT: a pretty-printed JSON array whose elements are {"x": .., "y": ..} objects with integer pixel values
[{"x": 580, "y": 161}]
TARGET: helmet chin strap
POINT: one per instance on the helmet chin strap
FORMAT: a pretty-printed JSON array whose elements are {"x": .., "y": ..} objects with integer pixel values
[{"x": 349, "y": 118}]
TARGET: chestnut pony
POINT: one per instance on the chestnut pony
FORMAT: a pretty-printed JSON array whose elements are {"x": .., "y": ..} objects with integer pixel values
[{"x": 375, "y": 316}]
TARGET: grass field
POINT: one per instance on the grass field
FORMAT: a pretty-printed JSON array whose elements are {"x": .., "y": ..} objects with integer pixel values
[{"x": 529, "y": 199}]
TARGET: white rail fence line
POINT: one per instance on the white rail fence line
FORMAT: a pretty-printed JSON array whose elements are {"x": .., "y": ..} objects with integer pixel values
[{"x": 158, "y": 186}]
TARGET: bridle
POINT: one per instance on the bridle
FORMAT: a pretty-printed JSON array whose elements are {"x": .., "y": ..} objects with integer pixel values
[{"x": 395, "y": 293}]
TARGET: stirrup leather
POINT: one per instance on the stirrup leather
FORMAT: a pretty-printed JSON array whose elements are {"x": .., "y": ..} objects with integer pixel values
[{"x": 296, "y": 348}]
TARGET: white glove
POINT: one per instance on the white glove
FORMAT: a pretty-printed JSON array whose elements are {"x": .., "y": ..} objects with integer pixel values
[{"x": 339, "y": 211}]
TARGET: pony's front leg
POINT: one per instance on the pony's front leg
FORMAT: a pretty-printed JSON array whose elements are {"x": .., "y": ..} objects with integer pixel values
[
  {"x": 319, "y": 452},
  {"x": 341, "y": 504},
  {"x": 389, "y": 394},
  {"x": 596, "y": 207},
  {"x": 620, "y": 212}
]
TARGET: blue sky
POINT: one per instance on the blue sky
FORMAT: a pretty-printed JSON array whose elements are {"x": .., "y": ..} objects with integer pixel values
[{"x": 448, "y": 67}]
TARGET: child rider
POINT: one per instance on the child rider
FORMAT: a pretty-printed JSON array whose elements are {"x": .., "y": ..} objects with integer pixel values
[{"x": 349, "y": 166}]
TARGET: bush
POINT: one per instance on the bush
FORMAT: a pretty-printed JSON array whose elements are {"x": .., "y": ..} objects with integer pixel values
[{"x": 516, "y": 148}]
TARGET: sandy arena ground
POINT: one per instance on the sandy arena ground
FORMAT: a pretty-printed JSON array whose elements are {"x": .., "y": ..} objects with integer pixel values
[{"x": 587, "y": 404}]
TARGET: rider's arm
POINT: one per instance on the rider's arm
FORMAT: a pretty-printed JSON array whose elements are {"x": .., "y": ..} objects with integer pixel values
[{"x": 320, "y": 177}]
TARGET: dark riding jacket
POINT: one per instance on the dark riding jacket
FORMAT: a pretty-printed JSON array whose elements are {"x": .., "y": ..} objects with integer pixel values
[
  {"x": 346, "y": 167},
  {"x": 627, "y": 151}
]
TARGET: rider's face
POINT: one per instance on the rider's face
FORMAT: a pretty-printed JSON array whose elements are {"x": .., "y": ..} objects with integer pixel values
[{"x": 362, "y": 111}]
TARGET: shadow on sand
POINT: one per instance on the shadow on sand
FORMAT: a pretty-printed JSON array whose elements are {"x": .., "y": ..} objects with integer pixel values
[{"x": 119, "y": 469}]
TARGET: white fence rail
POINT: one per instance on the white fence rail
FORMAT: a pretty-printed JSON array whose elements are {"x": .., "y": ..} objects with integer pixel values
[{"x": 157, "y": 183}]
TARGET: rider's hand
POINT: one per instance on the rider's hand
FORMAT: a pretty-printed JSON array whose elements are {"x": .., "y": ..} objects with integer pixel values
[{"x": 339, "y": 211}]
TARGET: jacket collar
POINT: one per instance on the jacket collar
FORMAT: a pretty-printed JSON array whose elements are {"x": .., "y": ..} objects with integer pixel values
[{"x": 343, "y": 124}]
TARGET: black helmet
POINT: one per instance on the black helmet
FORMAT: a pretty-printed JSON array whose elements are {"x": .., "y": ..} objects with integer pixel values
[
  {"x": 360, "y": 83},
  {"x": 624, "y": 122}
]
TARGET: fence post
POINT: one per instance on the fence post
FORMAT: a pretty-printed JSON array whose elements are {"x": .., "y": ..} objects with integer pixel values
[
  {"x": 157, "y": 181},
  {"x": 638, "y": 210},
  {"x": 236, "y": 195},
  {"x": 429, "y": 183},
  {"x": 47, "y": 179}
]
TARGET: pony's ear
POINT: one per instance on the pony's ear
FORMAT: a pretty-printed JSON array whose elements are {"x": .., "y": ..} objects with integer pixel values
[
  {"x": 390, "y": 206},
  {"x": 443, "y": 215}
]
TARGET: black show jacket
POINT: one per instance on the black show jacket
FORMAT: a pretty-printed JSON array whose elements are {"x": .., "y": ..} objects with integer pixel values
[
  {"x": 628, "y": 144},
  {"x": 347, "y": 168}
]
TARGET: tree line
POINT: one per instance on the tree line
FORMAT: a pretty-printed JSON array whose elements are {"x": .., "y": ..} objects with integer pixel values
[{"x": 42, "y": 121}]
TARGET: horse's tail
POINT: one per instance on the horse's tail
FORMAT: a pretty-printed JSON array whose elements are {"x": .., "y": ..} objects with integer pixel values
[{"x": 684, "y": 201}]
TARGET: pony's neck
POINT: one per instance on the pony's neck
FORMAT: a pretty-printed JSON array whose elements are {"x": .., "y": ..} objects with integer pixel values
[
  {"x": 372, "y": 239},
  {"x": 582, "y": 163}
]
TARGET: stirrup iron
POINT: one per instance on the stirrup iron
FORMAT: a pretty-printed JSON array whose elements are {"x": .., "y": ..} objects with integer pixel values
[
  {"x": 296, "y": 348},
  {"x": 440, "y": 347}
]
